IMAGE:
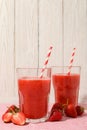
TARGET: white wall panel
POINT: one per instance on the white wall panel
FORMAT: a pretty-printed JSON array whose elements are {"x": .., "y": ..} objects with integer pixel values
[
  {"x": 75, "y": 35},
  {"x": 29, "y": 27},
  {"x": 6, "y": 49},
  {"x": 26, "y": 33}
]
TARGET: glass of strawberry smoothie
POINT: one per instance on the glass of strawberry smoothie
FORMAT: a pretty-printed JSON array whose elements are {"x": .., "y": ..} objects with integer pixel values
[
  {"x": 66, "y": 86},
  {"x": 34, "y": 92}
]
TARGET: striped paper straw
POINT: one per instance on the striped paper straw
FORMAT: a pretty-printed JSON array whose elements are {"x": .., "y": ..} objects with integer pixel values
[
  {"x": 71, "y": 61},
  {"x": 46, "y": 61}
]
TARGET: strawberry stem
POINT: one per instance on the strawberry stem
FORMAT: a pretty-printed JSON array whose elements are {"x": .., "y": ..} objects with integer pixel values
[{"x": 11, "y": 110}]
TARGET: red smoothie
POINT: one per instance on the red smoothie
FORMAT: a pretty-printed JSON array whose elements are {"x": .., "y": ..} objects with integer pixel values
[
  {"x": 33, "y": 96},
  {"x": 66, "y": 87}
]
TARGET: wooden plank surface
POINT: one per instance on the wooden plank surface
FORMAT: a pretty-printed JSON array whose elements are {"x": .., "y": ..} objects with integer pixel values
[
  {"x": 26, "y": 33},
  {"x": 28, "y": 27},
  {"x": 50, "y": 33},
  {"x": 6, "y": 49},
  {"x": 75, "y": 35}
]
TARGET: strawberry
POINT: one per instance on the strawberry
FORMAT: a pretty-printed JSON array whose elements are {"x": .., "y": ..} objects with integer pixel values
[
  {"x": 6, "y": 117},
  {"x": 18, "y": 118},
  {"x": 14, "y": 115},
  {"x": 55, "y": 116},
  {"x": 57, "y": 106},
  {"x": 13, "y": 108},
  {"x": 80, "y": 110},
  {"x": 71, "y": 111}
]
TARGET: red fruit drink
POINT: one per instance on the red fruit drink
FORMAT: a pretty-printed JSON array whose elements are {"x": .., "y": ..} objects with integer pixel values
[
  {"x": 66, "y": 88},
  {"x": 33, "y": 96}
]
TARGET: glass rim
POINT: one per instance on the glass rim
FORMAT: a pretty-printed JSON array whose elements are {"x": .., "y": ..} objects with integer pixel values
[
  {"x": 66, "y": 66},
  {"x": 27, "y": 68}
]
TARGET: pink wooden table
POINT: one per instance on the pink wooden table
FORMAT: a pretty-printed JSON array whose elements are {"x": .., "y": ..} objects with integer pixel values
[{"x": 79, "y": 123}]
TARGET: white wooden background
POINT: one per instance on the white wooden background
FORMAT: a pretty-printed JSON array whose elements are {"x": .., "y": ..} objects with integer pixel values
[{"x": 28, "y": 27}]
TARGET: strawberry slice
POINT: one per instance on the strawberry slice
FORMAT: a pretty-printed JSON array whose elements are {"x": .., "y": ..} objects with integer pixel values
[
  {"x": 18, "y": 118},
  {"x": 71, "y": 111},
  {"x": 6, "y": 117},
  {"x": 80, "y": 110}
]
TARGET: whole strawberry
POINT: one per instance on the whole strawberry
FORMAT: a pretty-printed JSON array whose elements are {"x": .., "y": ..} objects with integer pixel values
[
  {"x": 12, "y": 108},
  {"x": 55, "y": 116},
  {"x": 71, "y": 111},
  {"x": 57, "y": 106},
  {"x": 80, "y": 110}
]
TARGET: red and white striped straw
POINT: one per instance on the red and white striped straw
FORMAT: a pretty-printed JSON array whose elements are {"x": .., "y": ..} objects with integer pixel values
[
  {"x": 46, "y": 61},
  {"x": 71, "y": 61}
]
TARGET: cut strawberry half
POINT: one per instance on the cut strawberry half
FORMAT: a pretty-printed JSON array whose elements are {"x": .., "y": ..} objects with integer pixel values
[
  {"x": 18, "y": 118},
  {"x": 6, "y": 117}
]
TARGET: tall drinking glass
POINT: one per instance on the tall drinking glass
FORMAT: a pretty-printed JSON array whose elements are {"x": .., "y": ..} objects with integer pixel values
[
  {"x": 34, "y": 93},
  {"x": 66, "y": 86}
]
